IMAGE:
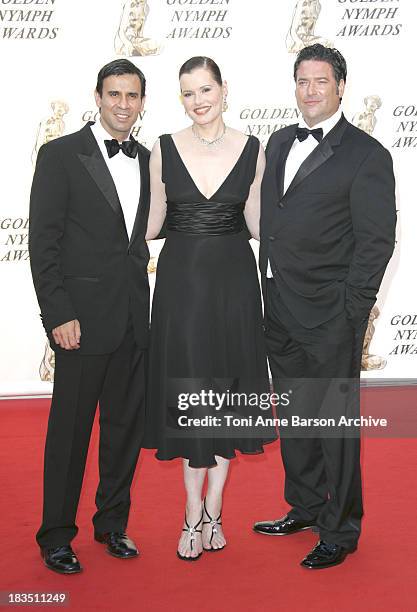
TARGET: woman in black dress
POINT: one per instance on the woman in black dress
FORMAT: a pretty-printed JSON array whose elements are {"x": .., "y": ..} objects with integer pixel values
[{"x": 206, "y": 330}]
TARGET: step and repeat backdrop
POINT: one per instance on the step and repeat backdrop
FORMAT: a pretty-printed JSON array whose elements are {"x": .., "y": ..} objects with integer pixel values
[{"x": 52, "y": 50}]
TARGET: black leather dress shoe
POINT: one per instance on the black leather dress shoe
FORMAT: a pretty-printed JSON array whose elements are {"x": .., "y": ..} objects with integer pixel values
[
  {"x": 283, "y": 526},
  {"x": 61, "y": 559},
  {"x": 325, "y": 555},
  {"x": 118, "y": 544}
]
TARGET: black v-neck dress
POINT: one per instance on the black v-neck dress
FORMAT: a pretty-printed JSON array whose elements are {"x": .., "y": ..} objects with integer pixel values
[{"x": 206, "y": 329}]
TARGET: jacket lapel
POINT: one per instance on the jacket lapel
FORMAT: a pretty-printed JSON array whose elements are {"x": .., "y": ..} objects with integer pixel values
[
  {"x": 144, "y": 193},
  {"x": 98, "y": 170},
  {"x": 320, "y": 154}
]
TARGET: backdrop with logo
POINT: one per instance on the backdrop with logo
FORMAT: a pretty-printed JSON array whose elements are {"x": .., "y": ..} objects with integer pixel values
[{"x": 52, "y": 50}]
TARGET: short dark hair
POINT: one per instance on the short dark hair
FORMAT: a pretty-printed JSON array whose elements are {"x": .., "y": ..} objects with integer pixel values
[
  {"x": 201, "y": 61},
  {"x": 118, "y": 67},
  {"x": 323, "y": 54}
]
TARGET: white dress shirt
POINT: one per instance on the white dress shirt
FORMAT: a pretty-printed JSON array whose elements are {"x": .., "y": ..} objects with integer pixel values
[
  {"x": 125, "y": 173},
  {"x": 301, "y": 150}
]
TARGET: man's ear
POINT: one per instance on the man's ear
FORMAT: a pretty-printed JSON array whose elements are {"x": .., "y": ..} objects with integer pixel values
[{"x": 97, "y": 98}]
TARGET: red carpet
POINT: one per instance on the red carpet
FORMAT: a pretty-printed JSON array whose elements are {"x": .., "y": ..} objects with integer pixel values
[{"x": 253, "y": 572}]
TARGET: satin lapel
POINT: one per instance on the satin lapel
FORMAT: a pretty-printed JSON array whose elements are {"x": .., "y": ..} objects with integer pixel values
[
  {"x": 99, "y": 172},
  {"x": 320, "y": 154},
  {"x": 143, "y": 161}
]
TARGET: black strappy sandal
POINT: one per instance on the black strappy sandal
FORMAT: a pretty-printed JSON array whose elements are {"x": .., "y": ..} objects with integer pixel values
[
  {"x": 213, "y": 523},
  {"x": 192, "y": 531}
]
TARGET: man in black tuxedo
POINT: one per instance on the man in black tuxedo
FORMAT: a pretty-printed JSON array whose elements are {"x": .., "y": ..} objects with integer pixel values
[
  {"x": 327, "y": 234},
  {"x": 88, "y": 213}
]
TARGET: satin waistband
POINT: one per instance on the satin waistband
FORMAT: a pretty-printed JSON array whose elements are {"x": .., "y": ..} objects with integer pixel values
[{"x": 211, "y": 218}]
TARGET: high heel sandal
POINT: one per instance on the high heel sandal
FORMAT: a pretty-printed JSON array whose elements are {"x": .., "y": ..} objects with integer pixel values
[
  {"x": 192, "y": 531},
  {"x": 213, "y": 523}
]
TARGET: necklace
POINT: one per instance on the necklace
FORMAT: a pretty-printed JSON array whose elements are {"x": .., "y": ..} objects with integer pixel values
[{"x": 206, "y": 142}]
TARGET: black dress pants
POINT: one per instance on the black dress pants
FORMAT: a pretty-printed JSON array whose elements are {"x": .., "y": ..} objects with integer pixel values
[
  {"x": 321, "y": 368},
  {"x": 117, "y": 382}
]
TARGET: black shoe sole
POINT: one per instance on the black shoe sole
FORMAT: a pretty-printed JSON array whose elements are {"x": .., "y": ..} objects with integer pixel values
[
  {"x": 121, "y": 556},
  {"x": 133, "y": 556},
  {"x": 188, "y": 558},
  {"x": 319, "y": 567},
  {"x": 283, "y": 534},
  {"x": 63, "y": 572}
]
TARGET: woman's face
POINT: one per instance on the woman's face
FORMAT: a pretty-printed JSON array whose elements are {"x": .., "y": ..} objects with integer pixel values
[{"x": 202, "y": 96}]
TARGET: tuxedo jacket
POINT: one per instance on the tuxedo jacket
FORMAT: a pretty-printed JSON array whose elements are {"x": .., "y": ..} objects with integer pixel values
[
  {"x": 330, "y": 236},
  {"x": 83, "y": 264}
]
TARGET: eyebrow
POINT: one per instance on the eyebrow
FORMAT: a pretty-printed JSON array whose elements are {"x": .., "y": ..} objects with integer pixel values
[
  {"x": 129, "y": 93},
  {"x": 318, "y": 78},
  {"x": 201, "y": 87}
]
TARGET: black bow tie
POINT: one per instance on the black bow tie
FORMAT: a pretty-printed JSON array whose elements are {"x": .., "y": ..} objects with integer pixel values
[
  {"x": 303, "y": 133},
  {"x": 129, "y": 147}
]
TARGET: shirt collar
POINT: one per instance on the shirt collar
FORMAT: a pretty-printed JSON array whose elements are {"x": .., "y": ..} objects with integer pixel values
[{"x": 326, "y": 125}]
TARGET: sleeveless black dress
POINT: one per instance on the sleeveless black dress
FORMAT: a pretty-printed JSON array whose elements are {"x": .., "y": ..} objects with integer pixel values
[{"x": 206, "y": 328}]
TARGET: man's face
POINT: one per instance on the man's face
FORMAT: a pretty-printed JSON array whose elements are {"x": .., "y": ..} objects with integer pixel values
[
  {"x": 120, "y": 104},
  {"x": 316, "y": 91}
]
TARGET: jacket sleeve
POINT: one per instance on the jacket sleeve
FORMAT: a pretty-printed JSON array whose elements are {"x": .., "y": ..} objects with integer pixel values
[
  {"x": 48, "y": 208},
  {"x": 372, "y": 203}
]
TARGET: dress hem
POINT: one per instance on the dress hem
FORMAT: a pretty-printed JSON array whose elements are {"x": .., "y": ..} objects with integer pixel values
[{"x": 259, "y": 451}]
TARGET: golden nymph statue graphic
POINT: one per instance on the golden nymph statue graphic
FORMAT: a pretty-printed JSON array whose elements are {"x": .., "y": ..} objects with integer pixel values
[
  {"x": 365, "y": 120},
  {"x": 130, "y": 39},
  {"x": 301, "y": 32},
  {"x": 51, "y": 128}
]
